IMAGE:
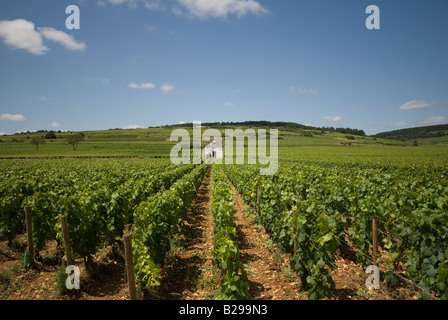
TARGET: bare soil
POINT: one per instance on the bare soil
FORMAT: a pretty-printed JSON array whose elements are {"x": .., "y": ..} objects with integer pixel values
[
  {"x": 103, "y": 279},
  {"x": 188, "y": 273},
  {"x": 265, "y": 264}
]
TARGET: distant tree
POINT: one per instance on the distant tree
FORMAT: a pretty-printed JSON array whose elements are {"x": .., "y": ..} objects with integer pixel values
[
  {"x": 350, "y": 137},
  {"x": 74, "y": 140},
  {"x": 50, "y": 135},
  {"x": 37, "y": 140}
]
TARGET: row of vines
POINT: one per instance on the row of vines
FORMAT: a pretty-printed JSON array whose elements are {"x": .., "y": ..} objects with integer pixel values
[
  {"x": 156, "y": 220},
  {"x": 309, "y": 209},
  {"x": 312, "y": 209},
  {"x": 98, "y": 198},
  {"x": 226, "y": 254}
]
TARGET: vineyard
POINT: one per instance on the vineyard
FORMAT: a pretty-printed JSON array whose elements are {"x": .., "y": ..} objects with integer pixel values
[{"x": 310, "y": 210}]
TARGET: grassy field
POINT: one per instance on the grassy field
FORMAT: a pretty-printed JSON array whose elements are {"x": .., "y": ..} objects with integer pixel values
[
  {"x": 86, "y": 149},
  {"x": 155, "y": 143}
]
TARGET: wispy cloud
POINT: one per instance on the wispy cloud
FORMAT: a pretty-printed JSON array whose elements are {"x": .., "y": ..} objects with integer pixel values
[
  {"x": 12, "y": 117},
  {"x": 99, "y": 80},
  {"x": 147, "y": 85},
  {"x": 167, "y": 88},
  {"x": 432, "y": 120},
  {"x": 228, "y": 104},
  {"x": 202, "y": 9},
  {"x": 21, "y": 34},
  {"x": 152, "y": 28},
  {"x": 397, "y": 124},
  {"x": 55, "y": 124},
  {"x": 130, "y": 3},
  {"x": 148, "y": 4},
  {"x": 332, "y": 118},
  {"x": 302, "y": 90},
  {"x": 417, "y": 104},
  {"x": 154, "y": 5},
  {"x": 64, "y": 39},
  {"x": 43, "y": 98}
]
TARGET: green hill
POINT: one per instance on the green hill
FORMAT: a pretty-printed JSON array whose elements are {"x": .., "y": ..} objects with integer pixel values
[
  {"x": 435, "y": 131},
  {"x": 154, "y": 142}
]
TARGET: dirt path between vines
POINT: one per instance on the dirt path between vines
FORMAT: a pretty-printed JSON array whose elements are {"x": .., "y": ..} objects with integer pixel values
[
  {"x": 188, "y": 273},
  {"x": 266, "y": 266}
]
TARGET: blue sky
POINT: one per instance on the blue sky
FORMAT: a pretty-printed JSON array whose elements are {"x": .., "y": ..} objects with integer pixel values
[{"x": 146, "y": 63}]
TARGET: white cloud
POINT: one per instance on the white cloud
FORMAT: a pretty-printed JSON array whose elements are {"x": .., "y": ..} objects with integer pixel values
[
  {"x": 228, "y": 104},
  {"x": 20, "y": 34},
  {"x": 202, "y": 9},
  {"x": 167, "y": 88},
  {"x": 417, "y": 104},
  {"x": 432, "y": 120},
  {"x": 332, "y": 118},
  {"x": 147, "y": 85},
  {"x": 64, "y": 39},
  {"x": 220, "y": 8},
  {"x": 398, "y": 124},
  {"x": 132, "y": 126},
  {"x": 11, "y": 117},
  {"x": 55, "y": 124}
]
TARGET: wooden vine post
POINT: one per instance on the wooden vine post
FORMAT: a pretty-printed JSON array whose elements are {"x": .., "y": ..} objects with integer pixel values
[
  {"x": 29, "y": 231},
  {"x": 375, "y": 240},
  {"x": 129, "y": 262},
  {"x": 67, "y": 246}
]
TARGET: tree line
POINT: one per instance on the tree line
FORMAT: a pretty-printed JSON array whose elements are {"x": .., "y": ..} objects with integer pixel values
[
  {"x": 276, "y": 124},
  {"x": 415, "y": 133},
  {"x": 74, "y": 139}
]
